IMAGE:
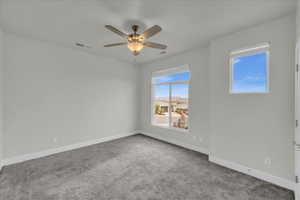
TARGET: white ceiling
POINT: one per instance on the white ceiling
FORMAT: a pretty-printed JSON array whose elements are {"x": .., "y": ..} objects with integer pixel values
[{"x": 186, "y": 23}]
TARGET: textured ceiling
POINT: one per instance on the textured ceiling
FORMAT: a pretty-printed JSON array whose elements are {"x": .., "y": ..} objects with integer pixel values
[{"x": 186, "y": 23}]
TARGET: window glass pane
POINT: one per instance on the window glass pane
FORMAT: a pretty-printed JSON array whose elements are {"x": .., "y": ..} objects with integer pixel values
[
  {"x": 172, "y": 77},
  {"x": 179, "y": 106},
  {"x": 161, "y": 105},
  {"x": 249, "y": 73}
]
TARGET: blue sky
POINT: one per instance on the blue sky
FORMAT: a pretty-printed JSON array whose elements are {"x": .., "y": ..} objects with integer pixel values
[
  {"x": 173, "y": 77},
  {"x": 178, "y": 90},
  {"x": 250, "y": 73}
]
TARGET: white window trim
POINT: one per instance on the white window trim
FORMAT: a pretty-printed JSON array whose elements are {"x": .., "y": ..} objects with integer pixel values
[
  {"x": 264, "y": 47},
  {"x": 184, "y": 68},
  {"x": 174, "y": 70}
]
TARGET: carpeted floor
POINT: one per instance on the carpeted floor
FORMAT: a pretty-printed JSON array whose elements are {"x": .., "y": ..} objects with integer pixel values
[{"x": 132, "y": 168}]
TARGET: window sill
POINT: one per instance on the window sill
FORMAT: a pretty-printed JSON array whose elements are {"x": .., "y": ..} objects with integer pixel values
[{"x": 172, "y": 129}]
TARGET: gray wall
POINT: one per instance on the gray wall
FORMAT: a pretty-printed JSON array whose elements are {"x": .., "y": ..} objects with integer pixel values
[
  {"x": 56, "y": 92},
  {"x": 1, "y": 95},
  {"x": 243, "y": 128},
  {"x": 297, "y": 136},
  {"x": 247, "y": 128},
  {"x": 298, "y": 19},
  {"x": 67, "y": 94},
  {"x": 198, "y": 102}
]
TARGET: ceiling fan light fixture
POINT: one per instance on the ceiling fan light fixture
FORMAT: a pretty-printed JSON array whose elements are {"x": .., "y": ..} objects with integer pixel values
[
  {"x": 135, "y": 41},
  {"x": 135, "y": 47}
]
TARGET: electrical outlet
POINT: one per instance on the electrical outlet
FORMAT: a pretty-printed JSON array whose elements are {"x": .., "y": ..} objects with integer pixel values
[
  {"x": 200, "y": 139},
  {"x": 268, "y": 161},
  {"x": 55, "y": 140},
  {"x": 197, "y": 138}
]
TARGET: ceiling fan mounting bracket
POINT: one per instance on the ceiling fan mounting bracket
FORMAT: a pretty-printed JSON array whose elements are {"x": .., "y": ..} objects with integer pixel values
[{"x": 135, "y": 28}]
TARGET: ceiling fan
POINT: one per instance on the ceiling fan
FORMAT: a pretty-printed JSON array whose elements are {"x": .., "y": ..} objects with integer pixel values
[{"x": 136, "y": 42}]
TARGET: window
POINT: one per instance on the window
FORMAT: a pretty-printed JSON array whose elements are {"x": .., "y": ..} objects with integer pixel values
[
  {"x": 249, "y": 70},
  {"x": 170, "y": 92}
]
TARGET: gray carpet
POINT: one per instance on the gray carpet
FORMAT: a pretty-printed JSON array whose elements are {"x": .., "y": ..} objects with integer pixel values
[{"x": 132, "y": 168}]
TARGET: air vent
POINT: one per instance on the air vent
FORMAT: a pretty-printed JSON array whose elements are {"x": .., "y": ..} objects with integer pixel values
[{"x": 82, "y": 45}]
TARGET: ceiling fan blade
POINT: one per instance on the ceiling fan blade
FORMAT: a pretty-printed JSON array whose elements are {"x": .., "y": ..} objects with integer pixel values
[
  {"x": 155, "y": 45},
  {"x": 115, "y": 44},
  {"x": 150, "y": 32},
  {"x": 117, "y": 31}
]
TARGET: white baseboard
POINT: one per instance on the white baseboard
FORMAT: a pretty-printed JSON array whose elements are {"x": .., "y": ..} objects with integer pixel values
[
  {"x": 288, "y": 184},
  {"x": 255, "y": 173},
  {"x": 176, "y": 142},
  {"x": 246, "y": 170},
  {"x": 22, "y": 158}
]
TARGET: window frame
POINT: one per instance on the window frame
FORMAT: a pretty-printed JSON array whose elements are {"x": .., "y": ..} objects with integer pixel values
[
  {"x": 260, "y": 48},
  {"x": 182, "y": 69}
]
